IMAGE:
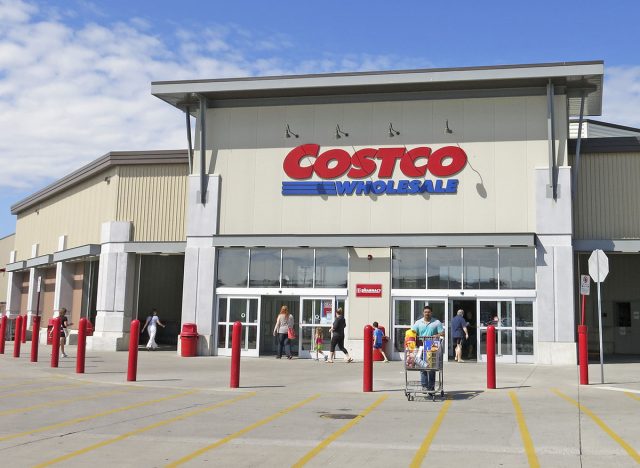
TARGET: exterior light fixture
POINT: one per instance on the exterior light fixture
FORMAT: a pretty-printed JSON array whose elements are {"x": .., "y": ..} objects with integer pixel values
[
  {"x": 392, "y": 131},
  {"x": 446, "y": 127},
  {"x": 340, "y": 133},
  {"x": 288, "y": 133}
]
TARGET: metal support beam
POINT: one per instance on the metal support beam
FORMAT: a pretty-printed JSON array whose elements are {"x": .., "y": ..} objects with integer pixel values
[
  {"x": 576, "y": 168},
  {"x": 187, "y": 112},
  {"x": 551, "y": 136},
  {"x": 203, "y": 147}
]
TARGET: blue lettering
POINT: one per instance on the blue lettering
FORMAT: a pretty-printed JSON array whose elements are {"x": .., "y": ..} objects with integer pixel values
[
  {"x": 427, "y": 186},
  {"x": 346, "y": 188},
  {"x": 379, "y": 187},
  {"x": 390, "y": 188},
  {"x": 414, "y": 186},
  {"x": 402, "y": 186},
  {"x": 452, "y": 186}
]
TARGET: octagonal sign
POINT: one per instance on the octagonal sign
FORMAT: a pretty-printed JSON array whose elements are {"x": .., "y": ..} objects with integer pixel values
[{"x": 598, "y": 266}]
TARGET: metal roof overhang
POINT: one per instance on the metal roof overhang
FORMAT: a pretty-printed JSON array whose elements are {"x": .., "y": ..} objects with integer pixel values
[
  {"x": 15, "y": 266},
  {"x": 89, "y": 250},
  {"x": 572, "y": 78}
]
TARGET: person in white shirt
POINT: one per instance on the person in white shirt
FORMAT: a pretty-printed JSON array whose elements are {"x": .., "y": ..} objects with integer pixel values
[{"x": 151, "y": 326}]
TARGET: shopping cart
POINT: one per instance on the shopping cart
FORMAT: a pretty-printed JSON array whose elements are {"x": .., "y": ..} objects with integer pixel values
[{"x": 425, "y": 357}]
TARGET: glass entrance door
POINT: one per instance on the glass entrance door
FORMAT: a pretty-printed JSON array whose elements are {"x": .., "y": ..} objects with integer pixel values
[
  {"x": 500, "y": 315},
  {"x": 405, "y": 313},
  {"x": 469, "y": 306},
  {"x": 317, "y": 312},
  {"x": 245, "y": 310}
]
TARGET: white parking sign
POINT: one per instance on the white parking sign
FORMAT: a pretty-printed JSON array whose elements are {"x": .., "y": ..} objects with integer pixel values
[{"x": 585, "y": 284}]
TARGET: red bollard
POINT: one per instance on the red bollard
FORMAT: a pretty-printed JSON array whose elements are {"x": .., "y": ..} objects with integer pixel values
[
  {"x": 55, "y": 342},
  {"x": 583, "y": 354},
  {"x": 367, "y": 370},
  {"x": 24, "y": 329},
  {"x": 491, "y": 356},
  {"x": 82, "y": 345},
  {"x": 236, "y": 338},
  {"x": 35, "y": 338},
  {"x": 3, "y": 332},
  {"x": 17, "y": 338},
  {"x": 134, "y": 335}
]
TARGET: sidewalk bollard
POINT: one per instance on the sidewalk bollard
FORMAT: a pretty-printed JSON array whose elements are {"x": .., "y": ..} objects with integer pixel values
[
  {"x": 134, "y": 335},
  {"x": 236, "y": 338},
  {"x": 3, "y": 332},
  {"x": 55, "y": 342},
  {"x": 17, "y": 338},
  {"x": 367, "y": 370},
  {"x": 491, "y": 356},
  {"x": 23, "y": 335},
  {"x": 82, "y": 345},
  {"x": 35, "y": 338},
  {"x": 583, "y": 352}
]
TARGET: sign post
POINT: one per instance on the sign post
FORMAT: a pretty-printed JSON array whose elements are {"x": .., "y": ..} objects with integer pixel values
[
  {"x": 583, "y": 349},
  {"x": 598, "y": 270}
]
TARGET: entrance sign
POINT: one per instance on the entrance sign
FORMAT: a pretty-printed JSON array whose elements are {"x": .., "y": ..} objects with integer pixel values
[
  {"x": 306, "y": 161},
  {"x": 585, "y": 285},
  {"x": 599, "y": 269},
  {"x": 368, "y": 290}
]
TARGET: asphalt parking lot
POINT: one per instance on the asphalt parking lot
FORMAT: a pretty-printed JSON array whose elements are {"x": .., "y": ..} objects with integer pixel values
[{"x": 181, "y": 411}]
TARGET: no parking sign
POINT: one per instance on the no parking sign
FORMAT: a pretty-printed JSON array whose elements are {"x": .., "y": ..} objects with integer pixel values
[{"x": 585, "y": 284}]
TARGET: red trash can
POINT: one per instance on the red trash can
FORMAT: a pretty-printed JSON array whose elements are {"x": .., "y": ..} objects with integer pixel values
[
  {"x": 189, "y": 340},
  {"x": 377, "y": 355},
  {"x": 89, "y": 329}
]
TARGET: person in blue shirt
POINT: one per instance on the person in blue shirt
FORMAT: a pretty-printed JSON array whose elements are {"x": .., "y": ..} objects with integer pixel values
[
  {"x": 428, "y": 326},
  {"x": 459, "y": 333},
  {"x": 377, "y": 340}
]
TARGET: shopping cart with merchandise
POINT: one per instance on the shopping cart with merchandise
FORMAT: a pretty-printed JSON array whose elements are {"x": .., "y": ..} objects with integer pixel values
[{"x": 425, "y": 355}]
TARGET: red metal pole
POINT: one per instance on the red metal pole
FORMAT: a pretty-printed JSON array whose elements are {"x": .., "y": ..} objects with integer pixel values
[
  {"x": 491, "y": 356},
  {"x": 583, "y": 354},
  {"x": 24, "y": 329},
  {"x": 55, "y": 342},
  {"x": 583, "y": 297},
  {"x": 17, "y": 338},
  {"x": 3, "y": 331},
  {"x": 82, "y": 345},
  {"x": 35, "y": 338},
  {"x": 367, "y": 370},
  {"x": 134, "y": 334},
  {"x": 236, "y": 338}
]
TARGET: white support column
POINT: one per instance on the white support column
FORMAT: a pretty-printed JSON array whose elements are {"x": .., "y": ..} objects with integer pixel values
[
  {"x": 198, "y": 297},
  {"x": 554, "y": 272},
  {"x": 34, "y": 275},
  {"x": 115, "y": 289},
  {"x": 14, "y": 283},
  {"x": 63, "y": 292}
]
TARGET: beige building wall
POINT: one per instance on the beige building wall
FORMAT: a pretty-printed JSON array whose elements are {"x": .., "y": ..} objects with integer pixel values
[
  {"x": 153, "y": 197},
  {"x": 604, "y": 213},
  {"x": 504, "y": 138},
  {"x": 6, "y": 246}
]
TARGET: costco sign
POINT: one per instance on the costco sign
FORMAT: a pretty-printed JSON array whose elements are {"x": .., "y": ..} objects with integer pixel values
[{"x": 425, "y": 171}]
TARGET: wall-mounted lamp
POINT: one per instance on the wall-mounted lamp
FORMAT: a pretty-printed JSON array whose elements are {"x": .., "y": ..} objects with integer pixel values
[
  {"x": 392, "y": 131},
  {"x": 107, "y": 180},
  {"x": 446, "y": 127},
  {"x": 340, "y": 133},
  {"x": 369, "y": 257},
  {"x": 288, "y": 133}
]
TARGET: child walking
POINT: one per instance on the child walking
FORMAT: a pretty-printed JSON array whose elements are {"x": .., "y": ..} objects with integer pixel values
[
  {"x": 319, "y": 340},
  {"x": 377, "y": 340}
]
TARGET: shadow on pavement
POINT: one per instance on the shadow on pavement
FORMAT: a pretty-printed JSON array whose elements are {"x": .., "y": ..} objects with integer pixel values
[{"x": 458, "y": 395}]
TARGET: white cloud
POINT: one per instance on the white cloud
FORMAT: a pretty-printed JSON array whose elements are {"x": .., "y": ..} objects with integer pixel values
[{"x": 621, "y": 97}]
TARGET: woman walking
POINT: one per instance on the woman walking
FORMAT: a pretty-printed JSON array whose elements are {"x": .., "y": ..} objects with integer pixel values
[
  {"x": 284, "y": 322},
  {"x": 64, "y": 330},
  {"x": 151, "y": 326},
  {"x": 337, "y": 336}
]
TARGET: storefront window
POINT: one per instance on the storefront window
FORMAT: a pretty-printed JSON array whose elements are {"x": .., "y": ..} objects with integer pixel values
[
  {"x": 233, "y": 265},
  {"x": 524, "y": 314},
  {"x": 264, "y": 270},
  {"x": 481, "y": 268},
  {"x": 444, "y": 268},
  {"x": 409, "y": 269},
  {"x": 331, "y": 268},
  {"x": 297, "y": 268},
  {"x": 517, "y": 268}
]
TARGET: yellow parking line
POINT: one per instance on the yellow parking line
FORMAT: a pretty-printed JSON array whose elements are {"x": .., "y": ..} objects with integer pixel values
[
  {"x": 93, "y": 396},
  {"x": 23, "y": 384},
  {"x": 602, "y": 425},
  {"x": 631, "y": 395},
  {"x": 223, "y": 441},
  {"x": 524, "y": 432},
  {"x": 143, "y": 429},
  {"x": 43, "y": 389},
  {"x": 324, "y": 444},
  {"x": 94, "y": 416},
  {"x": 426, "y": 443}
]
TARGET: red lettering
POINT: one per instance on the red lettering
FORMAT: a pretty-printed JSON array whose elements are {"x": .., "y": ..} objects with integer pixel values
[
  {"x": 363, "y": 165},
  {"x": 408, "y": 162},
  {"x": 458, "y": 161},
  {"x": 322, "y": 168},
  {"x": 388, "y": 156},
  {"x": 291, "y": 164}
]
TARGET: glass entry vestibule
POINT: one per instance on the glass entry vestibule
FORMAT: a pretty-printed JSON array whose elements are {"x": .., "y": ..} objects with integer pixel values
[
  {"x": 513, "y": 319},
  {"x": 258, "y": 315}
]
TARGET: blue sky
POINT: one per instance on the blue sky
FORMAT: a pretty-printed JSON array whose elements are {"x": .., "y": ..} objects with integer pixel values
[{"x": 75, "y": 74}]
